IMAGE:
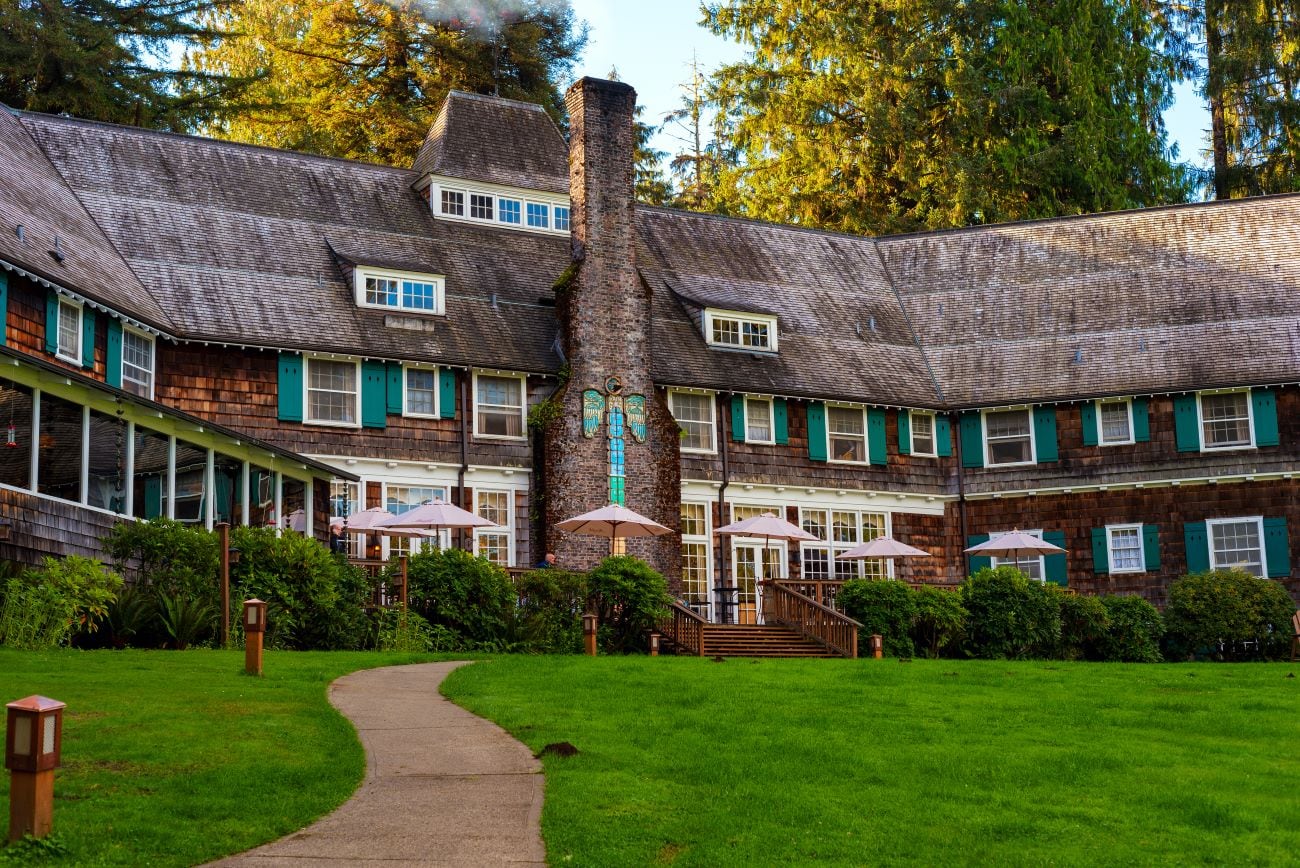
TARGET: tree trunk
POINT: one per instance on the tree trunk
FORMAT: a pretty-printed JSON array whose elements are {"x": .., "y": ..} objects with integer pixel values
[{"x": 1214, "y": 92}]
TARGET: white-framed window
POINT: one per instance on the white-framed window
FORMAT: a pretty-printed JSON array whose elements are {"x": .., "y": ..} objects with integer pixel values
[
  {"x": 345, "y": 502},
  {"x": 759, "y": 425},
  {"x": 839, "y": 530},
  {"x": 743, "y": 331},
  {"x": 503, "y": 206},
  {"x": 495, "y": 543},
  {"x": 1030, "y": 565},
  {"x": 480, "y": 206},
  {"x": 562, "y": 217},
  {"x": 922, "y": 427},
  {"x": 499, "y": 406},
  {"x": 1226, "y": 420},
  {"x": 399, "y": 290},
  {"x": 694, "y": 414},
  {"x": 69, "y": 337},
  {"x": 538, "y": 215},
  {"x": 697, "y": 560},
  {"x": 453, "y": 202},
  {"x": 1124, "y": 550},
  {"x": 420, "y": 392},
  {"x": 1115, "y": 422},
  {"x": 333, "y": 391},
  {"x": 137, "y": 362},
  {"x": 846, "y": 431},
  {"x": 1237, "y": 543},
  {"x": 1008, "y": 436},
  {"x": 400, "y": 498},
  {"x": 508, "y": 210}
]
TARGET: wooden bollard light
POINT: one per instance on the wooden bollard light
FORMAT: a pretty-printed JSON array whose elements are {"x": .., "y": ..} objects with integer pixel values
[
  {"x": 589, "y": 633},
  {"x": 33, "y": 743},
  {"x": 254, "y": 627},
  {"x": 877, "y": 646},
  {"x": 654, "y": 644}
]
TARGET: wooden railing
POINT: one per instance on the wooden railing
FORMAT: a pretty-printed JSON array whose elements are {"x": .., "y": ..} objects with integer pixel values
[
  {"x": 786, "y": 606},
  {"x": 684, "y": 628}
]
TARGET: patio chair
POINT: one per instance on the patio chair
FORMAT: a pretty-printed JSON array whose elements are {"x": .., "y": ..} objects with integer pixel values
[{"x": 1295, "y": 629}]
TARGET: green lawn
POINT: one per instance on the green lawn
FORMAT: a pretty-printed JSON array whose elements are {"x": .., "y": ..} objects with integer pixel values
[
  {"x": 173, "y": 758},
  {"x": 691, "y": 762}
]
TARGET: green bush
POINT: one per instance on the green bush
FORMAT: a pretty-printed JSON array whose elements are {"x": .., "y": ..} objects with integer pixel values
[
  {"x": 172, "y": 558},
  {"x": 938, "y": 621},
  {"x": 1084, "y": 625},
  {"x": 32, "y": 618},
  {"x": 472, "y": 597},
  {"x": 880, "y": 606},
  {"x": 399, "y": 630},
  {"x": 186, "y": 620},
  {"x": 47, "y": 605},
  {"x": 549, "y": 612},
  {"x": 1227, "y": 614},
  {"x": 1133, "y": 633},
  {"x": 629, "y": 598},
  {"x": 1010, "y": 616}
]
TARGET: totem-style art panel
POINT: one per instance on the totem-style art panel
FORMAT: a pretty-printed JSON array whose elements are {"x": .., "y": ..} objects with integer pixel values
[{"x": 622, "y": 412}]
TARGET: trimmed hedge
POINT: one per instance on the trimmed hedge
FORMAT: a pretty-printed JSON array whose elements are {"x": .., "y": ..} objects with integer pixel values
[{"x": 1227, "y": 615}]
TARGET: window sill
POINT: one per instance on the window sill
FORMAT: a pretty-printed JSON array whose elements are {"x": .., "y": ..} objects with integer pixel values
[
  {"x": 749, "y": 442},
  {"x": 686, "y": 451},
  {"x": 327, "y": 424},
  {"x": 1127, "y": 572},
  {"x": 851, "y": 463},
  {"x": 71, "y": 360},
  {"x": 1236, "y": 448},
  {"x": 1118, "y": 443},
  {"x": 1010, "y": 464},
  {"x": 522, "y": 438},
  {"x": 420, "y": 416}
]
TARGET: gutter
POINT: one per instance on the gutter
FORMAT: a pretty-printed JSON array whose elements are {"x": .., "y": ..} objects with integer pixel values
[{"x": 462, "y": 380}]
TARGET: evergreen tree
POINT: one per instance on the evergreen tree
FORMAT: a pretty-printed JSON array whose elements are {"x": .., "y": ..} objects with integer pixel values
[{"x": 696, "y": 166}]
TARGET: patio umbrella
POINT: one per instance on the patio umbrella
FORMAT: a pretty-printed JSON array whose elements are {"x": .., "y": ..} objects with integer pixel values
[
  {"x": 883, "y": 547},
  {"x": 1015, "y": 545},
  {"x": 296, "y": 521},
  {"x": 436, "y": 515},
  {"x": 766, "y": 527},
  {"x": 364, "y": 521},
  {"x": 613, "y": 522}
]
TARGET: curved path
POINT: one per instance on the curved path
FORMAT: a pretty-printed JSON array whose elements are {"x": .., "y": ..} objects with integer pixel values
[{"x": 442, "y": 786}]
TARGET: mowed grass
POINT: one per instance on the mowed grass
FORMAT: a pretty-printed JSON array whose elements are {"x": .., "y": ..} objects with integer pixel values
[
  {"x": 175, "y": 758},
  {"x": 690, "y": 762}
]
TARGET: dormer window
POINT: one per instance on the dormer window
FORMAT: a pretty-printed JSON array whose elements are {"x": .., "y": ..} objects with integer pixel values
[
  {"x": 741, "y": 331},
  {"x": 399, "y": 290},
  {"x": 501, "y": 206}
]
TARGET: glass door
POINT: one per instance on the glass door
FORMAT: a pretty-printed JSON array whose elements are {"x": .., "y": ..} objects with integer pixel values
[{"x": 752, "y": 564}]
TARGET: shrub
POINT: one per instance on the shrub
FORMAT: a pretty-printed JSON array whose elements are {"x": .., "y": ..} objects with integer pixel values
[
  {"x": 185, "y": 620},
  {"x": 938, "y": 620},
  {"x": 1009, "y": 616},
  {"x": 549, "y": 613},
  {"x": 1216, "y": 613},
  {"x": 398, "y": 630},
  {"x": 171, "y": 557},
  {"x": 31, "y": 618},
  {"x": 130, "y": 615},
  {"x": 1084, "y": 622},
  {"x": 472, "y": 597},
  {"x": 884, "y": 607},
  {"x": 630, "y": 598},
  {"x": 1133, "y": 634},
  {"x": 83, "y": 586}
]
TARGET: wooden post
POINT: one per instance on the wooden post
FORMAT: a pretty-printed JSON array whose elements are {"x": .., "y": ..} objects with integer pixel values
[
  {"x": 223, "y": 540},
  {"x": 33, "y": 749},
  {"x": 254, "y": 627},
  {"x": 877, "y": 646},
  {"x": 402, "y": 563},
  {"x": 654, "y": 644},
  {"x": 589, "y": 634}
]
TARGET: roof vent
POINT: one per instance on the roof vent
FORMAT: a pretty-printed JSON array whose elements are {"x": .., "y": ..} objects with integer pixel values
[
  {"x": 1078, "y": 357},
  {"x": 57, "y": 252},
  {"x": 21, "y": 233},
  {"x": 1142, "y": 345},
  {"x": 871, "y": 322}
]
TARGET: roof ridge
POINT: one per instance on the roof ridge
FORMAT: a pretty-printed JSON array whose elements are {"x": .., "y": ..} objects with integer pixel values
[{"x": 489, "y": 98}]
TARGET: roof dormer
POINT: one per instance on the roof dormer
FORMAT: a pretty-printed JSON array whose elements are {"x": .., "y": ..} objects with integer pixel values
[{"x": 738, "y": 330}]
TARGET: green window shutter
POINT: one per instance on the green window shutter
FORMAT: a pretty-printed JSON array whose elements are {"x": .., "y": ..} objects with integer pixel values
[
  {"x": 1045, "y": 434},
  {"x": 1264, "y": 403},
  {"x": 904, "y": 432},
  {"x": 1141, "y": 421},
  {"x": 1187, "y": 432},
  {"x": 1088, "y": 419},
  {"x": 225, "y": 502},
  {"x": 817, "y": 431},
  {"x": 1197, "y": 544},
  {"x": 738, "y": 418},
  {"x": 1100, "y": 551},
  {"x": 943, "y": 436},
  {"x": 1054, "y": 566},
  {"x": 289, "y": 387},
  {"x": 972, "y": 440},
  {"x": 87, "y": 338},
  {"x": 1277, "y": 549},
  {"x": 396, "y": 384},
  {"x": 52, "y": 322},
  {"x": 977, "y": 562},
  {"x": 4, "y": 306},
  {"x": 446, "y": 393},
  {"x": 876, "y": 451},
  {"x": 113, "y": 353},
  {"x": 781, "y": 421},
  {"x": 1151, "y": 547},
  {"x": 153, "y": 496},
  {"x": 374, "y": 394}
]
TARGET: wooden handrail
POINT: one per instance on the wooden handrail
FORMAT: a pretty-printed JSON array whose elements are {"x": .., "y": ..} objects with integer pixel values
[
  {"x": 822, "y": 624},
  {"x": 684, "y": 628}
]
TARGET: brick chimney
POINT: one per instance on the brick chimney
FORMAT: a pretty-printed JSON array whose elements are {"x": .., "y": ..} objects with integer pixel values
[{"x": 604, "y": 313}]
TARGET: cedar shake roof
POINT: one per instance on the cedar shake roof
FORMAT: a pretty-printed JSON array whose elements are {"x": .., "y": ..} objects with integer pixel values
[{"x": 495, "y": 141}]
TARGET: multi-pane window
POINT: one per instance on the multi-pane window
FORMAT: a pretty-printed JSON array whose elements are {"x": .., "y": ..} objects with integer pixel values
[
  {"x": 1237, "y": 543},
  {"x": 922, "y": 433},
  {"x": 1009, "y": 437},
  {"x": 137, "y": 363},
  {"x": 508, "y": 210},
  {"x": 538, "y": 215},
  {"x": 453, "y": 202},
  {"x": 562, "y": 217},
  {"x": 502, "y": 209},
  {"x": 743, "y": 333},
  {"x": 421, "y": 392},
  {"x": 1124, "y": 553},
  {"x": 382, "y": 291},
  {"x": 1225, "y": 420},
  {"x": 1030, "y": 565},
  {"x": 480, "y": 206},
  {"x": 395, "y": 290},
  {"x": 345, "y": 501},
  {"x": 1116, "y": 421},
  {"x": 847, "y": 428},
  {"x": 498, "y": 406},
  {"x": 69, "y": 343},
  {"x": 839, "y": 530},
  {"x": 694, "y": 415},
  {"x": 399, "y": 499},
  {"x": 332, "y": 394},
  {"x": 419, "y": 295},
  {"x": 758, "y": 420},
  {"x": 695, "y": 556},
  {"x": 494, "y": 543}
]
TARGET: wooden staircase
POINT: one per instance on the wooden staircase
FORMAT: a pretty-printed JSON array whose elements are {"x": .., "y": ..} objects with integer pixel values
[
  {"x": 754, "y": 640},
  {"x": 798, "y": 626}
]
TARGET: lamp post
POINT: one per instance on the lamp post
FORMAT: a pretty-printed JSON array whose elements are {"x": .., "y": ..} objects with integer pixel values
[
  {"x": 254, "y": 627},
  {"x": 33, "y": 743},
  {"x": 589, "y": 633},
  {"x": 654, "y": 644},
  {"x": 227, "y": 558},
  {"x": 877, "y": 646}
]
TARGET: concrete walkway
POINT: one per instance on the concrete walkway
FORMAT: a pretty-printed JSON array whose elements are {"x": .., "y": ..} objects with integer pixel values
[{"x": 442, "y": 786}]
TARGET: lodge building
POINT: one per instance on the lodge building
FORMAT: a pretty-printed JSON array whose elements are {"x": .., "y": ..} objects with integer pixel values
[{"x": 212, "y": 331}]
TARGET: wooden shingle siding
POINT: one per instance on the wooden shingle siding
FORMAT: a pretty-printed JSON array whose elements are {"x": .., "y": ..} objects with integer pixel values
[
  {"x": 25, "y": 327},
  {"x": 46, "y": 527}
]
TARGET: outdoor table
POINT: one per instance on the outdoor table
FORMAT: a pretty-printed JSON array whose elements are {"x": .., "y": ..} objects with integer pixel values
[{"x": 727, "y": 603}]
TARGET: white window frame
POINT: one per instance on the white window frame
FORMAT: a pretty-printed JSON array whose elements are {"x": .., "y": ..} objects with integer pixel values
[
  {"x": 866, "y": 436},
  {"x": 713, "y": 420},
  {"x": 495, "y": 193},
  {"x": 546, "y": 217},
  {"x": 74, "y": 356},
  {"x": 741, "y": 317},
  {"x": 568, "y": 217},
  {"x": 995, "y": 561},
  {"x": 406, "y": 410},
  {"x": 306, "y": 392},
  {"x": 464, "y": 202},
  {"x": 507, "y": 530},
  {"x": 1200, "y": 420},
  {"x": 413, "y": 544},
  {"x": 771, "y": 419},
  {"x": 706, "y": 540},
  {"x": 153, "y": 358},
  {"x": 1110, "y": 548},
  {"x": 439, "y": 282},
  {"x": 1101, "y": 426},
  {"x": 1257, "y": 520},
  {"x": 833, "y": 548},
  {"x": 523, "y": 410},
  {"x": 912, "y": 416},
  {"x": 988, "y": 450}
]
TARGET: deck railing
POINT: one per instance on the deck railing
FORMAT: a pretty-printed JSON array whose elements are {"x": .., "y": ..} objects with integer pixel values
[
  {"x": 786, "y": 606},
  {"x": 684, "y": 628}
]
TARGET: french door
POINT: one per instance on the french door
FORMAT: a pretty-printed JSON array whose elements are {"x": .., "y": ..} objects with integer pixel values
[{"x": 751, "y": 564}]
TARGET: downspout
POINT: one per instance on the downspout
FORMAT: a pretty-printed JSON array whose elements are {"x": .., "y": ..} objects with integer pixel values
[
  {"x": 464, "y": 449},
  {"x": 723, "y": 438},
  {"x": 961, "y": 492}
]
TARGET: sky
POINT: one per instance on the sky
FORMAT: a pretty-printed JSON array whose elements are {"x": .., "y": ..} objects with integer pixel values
[{"x": 651, "y": 45}]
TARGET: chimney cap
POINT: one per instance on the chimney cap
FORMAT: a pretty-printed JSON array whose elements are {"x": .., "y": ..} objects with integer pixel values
[{"x": 611, "y": 87}]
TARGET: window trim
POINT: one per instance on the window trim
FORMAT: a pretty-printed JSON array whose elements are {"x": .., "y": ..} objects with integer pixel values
[
  {"x": 1101, "y": 426},
  {"x": 771, "y": 419},
  {"x": 995, "y": 561},
  {"x": 934, "y": 433},
  {"x": 406, "y": 411},
  {"x": 1028, "y": 410},
  {"x": 1257, "y": 520},
  {"x": 546, "y": 215},
  {"x": 866, "y": 437},
  {"x": 306, "y": 392},
  {"x": 507, "y": 529},
  {"x": 830, "y": 546},
  {"x": 523, "y": 410},
  {"x": 1250, "y": 420},
  {"x": 1110, "y": 549},
  {"x": 713, "y": 420},
  {"x": 495, "y": 193},
  {"x": 75, "y": 357},
  {"x": 464, "y": 201},
  {"x": 153, "y": 357},
  {"x": 763, "y": 319},
  {"x": 439, "y": 281}
]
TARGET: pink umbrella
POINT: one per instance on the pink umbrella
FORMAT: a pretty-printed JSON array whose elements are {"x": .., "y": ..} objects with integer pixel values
[
  {"x": 366, "y": 520},
  {"x": 1015, "y": 545},
  {"x": 297, "y": 521},
  {"x": 613, "y": 522},
  {"x": 434, "y": 516},
  {"x": 883, "y": 547},
  {"x": 766, "y": 526}
]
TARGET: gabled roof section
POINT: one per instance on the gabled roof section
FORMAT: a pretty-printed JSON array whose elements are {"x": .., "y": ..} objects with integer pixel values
[
  {"x": 34, "y": 196},
  {"x": 495, "y": 141}
]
